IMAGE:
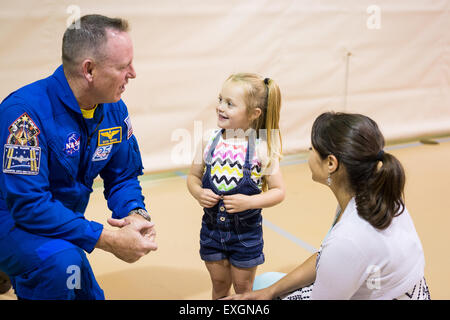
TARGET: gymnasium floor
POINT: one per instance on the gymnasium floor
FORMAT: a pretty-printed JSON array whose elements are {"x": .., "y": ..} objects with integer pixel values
[{"x": 292, "y": 230}]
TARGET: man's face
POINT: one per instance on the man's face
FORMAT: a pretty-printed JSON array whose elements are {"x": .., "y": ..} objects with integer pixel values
[{"x": 111, "y": 74}]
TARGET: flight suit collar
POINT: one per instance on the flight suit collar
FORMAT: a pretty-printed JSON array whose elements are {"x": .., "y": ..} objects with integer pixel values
[{"x": 64, "y": 92}]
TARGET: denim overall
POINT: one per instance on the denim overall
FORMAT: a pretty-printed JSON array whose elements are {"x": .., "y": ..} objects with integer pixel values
[{"x": 237, "y": 237}]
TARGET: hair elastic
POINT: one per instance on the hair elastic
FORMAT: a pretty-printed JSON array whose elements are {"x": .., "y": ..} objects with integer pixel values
[
  {"x": 266, "y": 82},
  {"x": 380, "y": 155}
]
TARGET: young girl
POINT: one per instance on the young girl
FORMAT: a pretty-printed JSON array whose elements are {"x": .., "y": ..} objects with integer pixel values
[{"x": 238, "y": 176}]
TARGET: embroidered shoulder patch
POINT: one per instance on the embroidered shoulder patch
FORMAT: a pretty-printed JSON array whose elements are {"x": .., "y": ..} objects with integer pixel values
[
  {"x": 21, "y": 159},
  {"x": 21, "y": 153},
  {"x": 23, "y": 131}
]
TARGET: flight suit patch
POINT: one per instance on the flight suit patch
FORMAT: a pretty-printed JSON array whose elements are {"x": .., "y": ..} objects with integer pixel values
[
  {"x": 23, "y": 131},
  {"x": 72, "y": 144},
  {"x": 102, "y": 153},
  {"x": 109, "y": 136},
  {"x": 21, "y": 153},
  {"x": 21, "y": 159}
]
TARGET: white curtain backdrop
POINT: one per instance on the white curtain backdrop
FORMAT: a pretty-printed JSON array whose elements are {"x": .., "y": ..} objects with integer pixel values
[{"x": 386, "y": 59}]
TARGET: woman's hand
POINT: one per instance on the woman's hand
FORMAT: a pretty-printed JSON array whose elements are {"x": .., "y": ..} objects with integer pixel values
[{"x": 237, "y": 202}]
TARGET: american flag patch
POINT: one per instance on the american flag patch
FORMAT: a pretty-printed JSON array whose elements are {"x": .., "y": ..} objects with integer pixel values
[{"x": 129, "y": 127}]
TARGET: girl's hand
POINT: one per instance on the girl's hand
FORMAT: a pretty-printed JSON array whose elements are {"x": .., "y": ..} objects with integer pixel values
[
  {"x": 237, "y": 203},
  {"x": 207, "y": 198}
]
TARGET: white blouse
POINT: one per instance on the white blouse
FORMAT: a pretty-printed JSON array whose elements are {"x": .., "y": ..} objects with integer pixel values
[{"x": 358, "y": 261}]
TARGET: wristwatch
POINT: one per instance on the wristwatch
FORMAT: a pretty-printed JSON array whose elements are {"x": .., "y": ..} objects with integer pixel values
[{"x": 142, "y": 213}]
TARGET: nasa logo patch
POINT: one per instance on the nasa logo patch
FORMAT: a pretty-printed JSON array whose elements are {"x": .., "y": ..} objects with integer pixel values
[{"x": 72, "y": 144}]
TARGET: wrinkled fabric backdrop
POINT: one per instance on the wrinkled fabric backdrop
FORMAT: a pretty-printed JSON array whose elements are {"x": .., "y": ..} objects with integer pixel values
[{"x": 386, "y": 59}]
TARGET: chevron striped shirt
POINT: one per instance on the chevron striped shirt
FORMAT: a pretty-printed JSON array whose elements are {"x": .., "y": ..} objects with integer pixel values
[{"x": 227, "y": 166}]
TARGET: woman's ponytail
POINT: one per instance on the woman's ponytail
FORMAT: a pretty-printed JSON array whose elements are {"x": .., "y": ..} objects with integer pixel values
[{"x": 381, "y": 198}]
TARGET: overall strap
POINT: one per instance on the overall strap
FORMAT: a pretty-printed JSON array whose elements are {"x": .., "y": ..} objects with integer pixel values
[
  {"x": 213, "y": 147},
  {"x": 249, "y": 154}
]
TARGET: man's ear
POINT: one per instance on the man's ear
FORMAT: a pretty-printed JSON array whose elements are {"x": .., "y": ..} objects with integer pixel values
[{"x": 87, "y": 67}]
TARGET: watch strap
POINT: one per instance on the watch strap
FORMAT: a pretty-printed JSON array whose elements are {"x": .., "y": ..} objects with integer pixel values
[{"x": 143, "y": 213}]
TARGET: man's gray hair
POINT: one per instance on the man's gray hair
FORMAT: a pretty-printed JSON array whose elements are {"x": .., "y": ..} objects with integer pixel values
[{"x": 87, "y": 37}]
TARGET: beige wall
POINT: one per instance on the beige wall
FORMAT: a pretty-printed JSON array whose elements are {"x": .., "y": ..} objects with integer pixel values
[{"x": 398, "y": 74}]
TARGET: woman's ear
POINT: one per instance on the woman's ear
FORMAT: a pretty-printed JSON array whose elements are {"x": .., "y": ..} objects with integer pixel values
[{"x": 332, "y": 163}]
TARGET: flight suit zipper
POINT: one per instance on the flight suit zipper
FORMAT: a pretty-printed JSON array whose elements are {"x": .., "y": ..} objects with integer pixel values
[{"x": 88, "y": 148}]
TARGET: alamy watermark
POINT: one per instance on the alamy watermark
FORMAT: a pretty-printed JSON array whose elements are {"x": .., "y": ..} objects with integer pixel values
[
  {"x": 373, "y": 281},
  {"x": 374, "y": 20},
  {"x": 74, "y": 278},
  {"x": 73, "y": 21}
]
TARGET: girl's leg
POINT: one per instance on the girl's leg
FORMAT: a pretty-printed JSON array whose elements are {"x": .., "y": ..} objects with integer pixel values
[
  {"x": 220, "y": 274},
  {"x": 243, "y": 278}
]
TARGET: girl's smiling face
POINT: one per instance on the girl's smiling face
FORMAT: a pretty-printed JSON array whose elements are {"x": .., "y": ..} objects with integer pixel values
[{"x": 232, "y": 110}]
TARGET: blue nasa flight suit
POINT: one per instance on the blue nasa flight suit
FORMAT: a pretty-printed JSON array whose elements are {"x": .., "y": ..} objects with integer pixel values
[{"x": 51, "y": 156}]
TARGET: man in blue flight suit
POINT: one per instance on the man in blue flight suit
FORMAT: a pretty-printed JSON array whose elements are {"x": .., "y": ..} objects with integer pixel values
[{"x": 57, "y": 135}]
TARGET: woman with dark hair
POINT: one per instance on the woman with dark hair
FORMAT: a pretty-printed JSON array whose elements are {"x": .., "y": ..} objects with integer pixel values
[{"x": 372, "y": 250}]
